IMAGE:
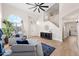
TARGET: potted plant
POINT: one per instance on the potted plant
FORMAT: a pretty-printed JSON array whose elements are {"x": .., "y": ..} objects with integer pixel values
[{"x": 7, "y": 30}]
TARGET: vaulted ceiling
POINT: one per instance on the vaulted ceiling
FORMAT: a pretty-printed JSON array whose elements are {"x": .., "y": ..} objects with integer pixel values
[{"x": 26, "y": 7}]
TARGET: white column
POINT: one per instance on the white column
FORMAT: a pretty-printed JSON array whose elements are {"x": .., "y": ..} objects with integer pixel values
[
  {"x": 77, "y": 41},
  {"x": 60, "y": 23},
  {"x": 78, "y": 33}
]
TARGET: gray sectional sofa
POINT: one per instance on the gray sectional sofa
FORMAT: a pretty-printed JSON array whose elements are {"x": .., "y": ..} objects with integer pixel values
[{"x": 34, "y": 48}]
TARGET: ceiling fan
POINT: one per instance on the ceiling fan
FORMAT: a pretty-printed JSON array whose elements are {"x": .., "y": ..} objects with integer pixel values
[{"x": 37, "y": 6}]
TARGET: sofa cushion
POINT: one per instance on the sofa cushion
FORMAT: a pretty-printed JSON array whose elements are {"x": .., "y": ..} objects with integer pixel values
[
  {"x": 24, "y": 54},
  {"x": 23, "y": 48},
  {"x": 22, "y": 42}
]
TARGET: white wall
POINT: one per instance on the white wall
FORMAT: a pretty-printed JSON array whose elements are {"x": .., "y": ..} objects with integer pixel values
[
  {"x": 10, "y": 10},
  {"x": 54, "y": 29},
  {"x": 0, "y": 14},
  {"x": 38, "y": 23},
  {"x": 34, "y": 28},
  {"x": 39, "y": 26}
]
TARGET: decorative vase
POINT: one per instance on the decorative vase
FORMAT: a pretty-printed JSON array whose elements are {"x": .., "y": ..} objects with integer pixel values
[{"x": 6, "y": 40}]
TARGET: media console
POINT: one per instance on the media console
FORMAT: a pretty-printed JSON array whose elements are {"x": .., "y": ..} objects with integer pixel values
[{"x": 46, "y": 35}]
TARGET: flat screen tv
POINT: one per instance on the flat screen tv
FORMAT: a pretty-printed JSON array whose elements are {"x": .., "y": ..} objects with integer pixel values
[{"x": 46, "y": 35}]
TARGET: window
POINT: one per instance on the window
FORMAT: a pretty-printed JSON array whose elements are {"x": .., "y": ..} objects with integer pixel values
[{"x": 17, "y": 22}]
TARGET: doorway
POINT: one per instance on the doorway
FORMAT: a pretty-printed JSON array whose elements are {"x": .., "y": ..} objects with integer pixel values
[{"x": 70, "y": 29}]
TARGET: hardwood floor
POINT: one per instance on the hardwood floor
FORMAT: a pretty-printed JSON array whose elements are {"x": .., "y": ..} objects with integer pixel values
[
  {"x": 53, "y": 43},
  {"x": 67, "y": 48}
]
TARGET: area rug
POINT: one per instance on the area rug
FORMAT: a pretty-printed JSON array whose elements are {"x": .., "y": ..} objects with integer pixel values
[{"x": 47, "y": 50}]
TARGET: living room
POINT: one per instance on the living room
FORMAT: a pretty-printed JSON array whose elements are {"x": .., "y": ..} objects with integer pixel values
[
  {"x": 39, "y": 29},
  {"x": 33, "y": 25}
]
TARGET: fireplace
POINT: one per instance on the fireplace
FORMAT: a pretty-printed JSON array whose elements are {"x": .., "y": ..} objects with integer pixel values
[{"x": 46, "y": 35}]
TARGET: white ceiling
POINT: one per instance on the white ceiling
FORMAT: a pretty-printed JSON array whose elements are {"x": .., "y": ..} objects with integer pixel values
[
  {"x": 26, "y": 7},
  {"x": 54, "y": 9},
  {"x": 72, "y": 15},
  {"x": 70, "y": 11}
]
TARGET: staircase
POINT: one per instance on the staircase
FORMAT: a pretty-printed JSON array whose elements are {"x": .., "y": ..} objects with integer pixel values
[
  {"x": 55, "y": 20},
  {"x": 53, "y": 14},
  {"x": 54, "y": 29}
]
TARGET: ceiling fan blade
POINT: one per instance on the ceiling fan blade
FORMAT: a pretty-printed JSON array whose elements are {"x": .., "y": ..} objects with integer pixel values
[
  {"x": 30, "y": 4},
  {"x": 38, "y": 10},
  {"x": 41, "y": 3},
  {"x": 45, "y": 6},
  {"x": 36, "y": 4},
  {"x": 32, "y": 7},
  {"x": 34, "y": 10},
  {"x": 41, "y": 8}
]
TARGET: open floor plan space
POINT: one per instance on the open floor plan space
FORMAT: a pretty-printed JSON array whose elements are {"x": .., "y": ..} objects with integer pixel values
[{"x": 39, "y": 29}]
